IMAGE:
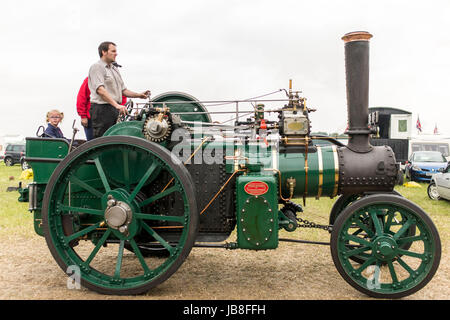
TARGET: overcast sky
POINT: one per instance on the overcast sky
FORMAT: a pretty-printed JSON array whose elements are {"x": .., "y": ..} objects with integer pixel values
[{"x": 230, "y": 49}]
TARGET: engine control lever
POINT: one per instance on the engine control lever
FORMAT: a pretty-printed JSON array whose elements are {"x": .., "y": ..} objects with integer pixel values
[{"x": 75, "y": 130}]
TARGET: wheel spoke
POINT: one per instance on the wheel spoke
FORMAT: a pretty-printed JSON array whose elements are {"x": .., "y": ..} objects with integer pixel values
[
  {"x": 358, "y": 240},
  {"x": 390, "y": 218},
  {"x": 102, "y": 174},
  {"x": 159, "y": 196},
  {"x": 366, "y": 264},
  {"x": 138, "y": 253},
  {"x": 126, "y": 169},
  {"x": 392, "y": 272},
  {"x": 158, "y": 237},
  {"x": 402, "y": 230},
  {"x": 97, "y": 247},
  {"x": 147, "y": 216},
  {"x": 354, "y": 252},
  {"x": 364, "y": 227},
  {"x": 85, "y": 186},
  {"x": 143, "y": 180},
  {"x": 82, "y": 210},
  {"x": 119, "y": 259},
  {"x": 411, "y": 254},
  {"x": 376, "y": 223},
  {"x": 409, "y": 239},
  {"x": 83, "y": 232},
  {"x": 405, "y": 266},
  {"x": 357, "y": 231}
]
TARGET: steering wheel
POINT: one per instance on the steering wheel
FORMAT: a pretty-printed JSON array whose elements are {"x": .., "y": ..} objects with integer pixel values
[{"x": 129, "y": 107}]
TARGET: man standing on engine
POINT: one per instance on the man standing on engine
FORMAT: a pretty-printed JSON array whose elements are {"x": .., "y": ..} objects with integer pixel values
[
  {"x": 107, "y": 87},
  {"x": 83, "y": 107}
]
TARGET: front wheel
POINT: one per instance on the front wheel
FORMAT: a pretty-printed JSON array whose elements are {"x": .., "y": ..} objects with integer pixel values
[
  {"x": 9, "y": 162},
  {"x": 432, "y": 191},
  {"x": 390, "y": 270}
]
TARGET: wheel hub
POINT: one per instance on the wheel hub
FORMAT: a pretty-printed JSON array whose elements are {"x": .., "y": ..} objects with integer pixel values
[
  {"x": 385, "y": 248},
  {"x": 433, "y": 191},
  {"x": 118, "y": 215}
]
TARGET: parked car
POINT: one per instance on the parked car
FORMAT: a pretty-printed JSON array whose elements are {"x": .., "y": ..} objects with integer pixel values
[
  {"x": 14, "y": 153},
  {"x": 439, "y": 186},
  {"x": 423, "y": 164}
]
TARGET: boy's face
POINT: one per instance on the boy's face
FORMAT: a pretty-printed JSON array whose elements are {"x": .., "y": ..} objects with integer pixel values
[{"x": 55, "y": 118}]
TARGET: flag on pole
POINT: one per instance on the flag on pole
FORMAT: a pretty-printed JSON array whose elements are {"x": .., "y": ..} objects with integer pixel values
[
  {"x": 418, "y": 125},
  {"x": 435, "y": 129}
]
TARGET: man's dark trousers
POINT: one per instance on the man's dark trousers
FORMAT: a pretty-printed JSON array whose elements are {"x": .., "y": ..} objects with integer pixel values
[{"x": 103, "y": 117}]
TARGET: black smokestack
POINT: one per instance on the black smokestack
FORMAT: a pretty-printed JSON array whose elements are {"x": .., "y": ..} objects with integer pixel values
[{"x": 357, "y": 76}]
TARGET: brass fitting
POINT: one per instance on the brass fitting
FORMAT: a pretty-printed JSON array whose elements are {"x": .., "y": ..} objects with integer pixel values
[{"x": 291, "y": 182}]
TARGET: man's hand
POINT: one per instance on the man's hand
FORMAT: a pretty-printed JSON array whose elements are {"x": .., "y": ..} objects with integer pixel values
[
  {"x": 144, "y": 95},
  {"x": 122, "y": 109},
  {"x": 84, "y": 122},
  {"x": 131, "y": 94}
]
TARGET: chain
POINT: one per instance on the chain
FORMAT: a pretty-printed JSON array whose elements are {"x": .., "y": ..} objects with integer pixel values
[
  {"x": 309, "y": 224},
  {"x": 303, "y": 222}
]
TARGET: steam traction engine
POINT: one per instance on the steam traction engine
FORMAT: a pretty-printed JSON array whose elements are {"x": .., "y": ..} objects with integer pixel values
[{"x": 142, "y": 188}]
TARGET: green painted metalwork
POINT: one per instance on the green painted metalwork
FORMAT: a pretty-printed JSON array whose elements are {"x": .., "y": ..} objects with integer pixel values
[
  {"x": 293, "y": 165},
  {"x": 322, "y": 173},
  {"x": 322, "y": 178},
  {"x": 286, "y": 223},
  {"x": 88, "y": 201},
  {"x": 46, "y": 149},
  {"x": 387, "y": 270},
  {"x": 23, "y": 192},
  {"x": 257, "y": 215},
  {"x": 127, "y": 128},
  {"x": 35, "y": 203},
  {"x": 183, "y": 107}
]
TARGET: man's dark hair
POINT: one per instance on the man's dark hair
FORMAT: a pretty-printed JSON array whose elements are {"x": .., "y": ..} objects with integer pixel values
[{"x": 104, "y": 46}]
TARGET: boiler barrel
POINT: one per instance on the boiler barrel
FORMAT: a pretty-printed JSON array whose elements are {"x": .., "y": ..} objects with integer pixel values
[
  {"x": 333, "y": 170},
  {"x": 318, "y": 175}
]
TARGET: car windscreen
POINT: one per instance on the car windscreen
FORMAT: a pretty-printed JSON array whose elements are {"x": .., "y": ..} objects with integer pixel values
[
  {"x": 429, "y": 157},
  {"x": 422, "y": 146}
]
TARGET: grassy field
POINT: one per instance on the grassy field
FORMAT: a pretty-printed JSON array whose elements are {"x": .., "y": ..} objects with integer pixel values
[
  {"x": 14, "y": 216},
  {"x": 293, "y": 271}
]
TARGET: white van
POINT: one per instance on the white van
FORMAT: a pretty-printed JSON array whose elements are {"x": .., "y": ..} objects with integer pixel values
[{"x": 430, "y": 144}]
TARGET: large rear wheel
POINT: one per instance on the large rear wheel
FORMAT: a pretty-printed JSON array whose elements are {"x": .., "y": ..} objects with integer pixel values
[{"x": 105, "y": 192}]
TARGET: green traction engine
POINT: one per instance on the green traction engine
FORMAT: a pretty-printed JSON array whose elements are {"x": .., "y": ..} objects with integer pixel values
[{"x": 123, "y": 211}]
